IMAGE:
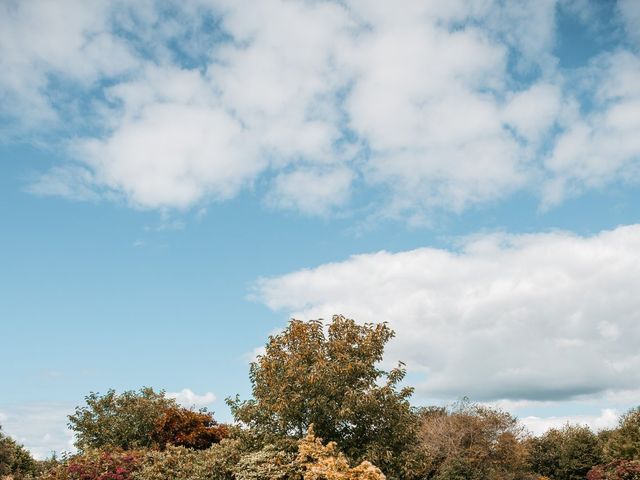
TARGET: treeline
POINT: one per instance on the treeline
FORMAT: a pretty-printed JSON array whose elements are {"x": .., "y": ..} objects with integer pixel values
[{"x": 322, "y": 409}]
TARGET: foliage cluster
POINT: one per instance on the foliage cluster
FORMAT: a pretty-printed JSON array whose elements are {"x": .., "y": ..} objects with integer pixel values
[
  {"x": 472, "y": 442},
  {"x": 317, "y": 383},
  {"x": 142, "y": 419},
  {"x": 15, "y": 460}
]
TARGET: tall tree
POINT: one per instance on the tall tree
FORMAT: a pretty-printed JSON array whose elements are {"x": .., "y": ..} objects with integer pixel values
[{"x": 330, "y": 378}]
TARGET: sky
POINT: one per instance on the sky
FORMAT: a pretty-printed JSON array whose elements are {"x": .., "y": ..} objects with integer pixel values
[{"x": 179, "y": 178}]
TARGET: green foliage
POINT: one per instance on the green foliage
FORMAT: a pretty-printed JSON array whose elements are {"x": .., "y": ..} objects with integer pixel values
[
  {"x": 470, "y": 442},
  {"x": 215, "y": 463},
  {"x": 331, "y": 380},
  {"x": 15, "y": 460},
  {"x": 623, "y": 443},
  {"x": 565, "y": 454},
  {"x": 125, "y": 421},
  {"x": 269, "y": 462},
  {"x": 142, "y": 419}
]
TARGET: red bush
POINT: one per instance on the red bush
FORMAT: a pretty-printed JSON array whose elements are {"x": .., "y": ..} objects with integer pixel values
[
  {"x": 617, "y": 470},
  {"x": 188, "y": 428},
  {"x": 96, "y": 465}
]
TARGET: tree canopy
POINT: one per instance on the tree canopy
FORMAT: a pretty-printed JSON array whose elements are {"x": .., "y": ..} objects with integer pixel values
[
  {"x": 329, "y": 377},
  {"x": 141, "y": 419}
]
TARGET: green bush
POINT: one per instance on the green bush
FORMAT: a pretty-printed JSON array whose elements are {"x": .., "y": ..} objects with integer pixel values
[
  {"x": 565, "y": 454},
  {"x": 15, "y": 460},
  {"x": 215, "y": 463}
]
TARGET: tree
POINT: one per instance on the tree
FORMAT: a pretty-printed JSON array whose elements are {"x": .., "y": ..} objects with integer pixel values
[
  {"x": 469, "y": 441},
  {"x": 125, "y": 421},
  {"x": 142, "y": 419},
  {"x": 15, "y": 460},
  {"x": 623, "y": 443},
  {"x": 565, "y": 454},
  {"x": 331, "y": 379}
]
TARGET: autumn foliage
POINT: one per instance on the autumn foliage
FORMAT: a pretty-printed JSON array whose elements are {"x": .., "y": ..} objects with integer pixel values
[
  {"x": 323, "y": 409},
  {"x": 188, "y": 428}
]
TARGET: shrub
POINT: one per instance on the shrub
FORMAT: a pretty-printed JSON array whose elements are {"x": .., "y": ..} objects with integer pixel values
[
  {"x": 15, "y": 460},
  {"x": 126, "y": 421},
  {"x": 97, "y": 465},
  {"x": 469, "y": 441},
  {"x": 215, "y": 463},
  {"x": 617, "y": 470}
]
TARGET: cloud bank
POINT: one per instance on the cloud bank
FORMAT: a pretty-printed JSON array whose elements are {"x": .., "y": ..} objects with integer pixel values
[
  {"x": 542, "y": 317},
  {"x": 418, "y": 106}
]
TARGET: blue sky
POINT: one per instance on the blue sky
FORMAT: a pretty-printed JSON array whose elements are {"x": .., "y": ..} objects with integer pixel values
[{"x": 179, "y": 178}]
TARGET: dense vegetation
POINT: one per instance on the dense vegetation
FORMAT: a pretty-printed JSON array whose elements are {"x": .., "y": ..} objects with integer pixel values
[{"x": 322, "y": 409}]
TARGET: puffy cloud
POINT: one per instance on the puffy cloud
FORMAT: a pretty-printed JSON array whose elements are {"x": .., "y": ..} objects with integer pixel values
[
  {"x": 187, "y": 398},
  {"x": 174, "y": 106},
  {"x": 545, "y": 316},
  {"x": 41, "y": 40},
  {"x": 602, "y": 146}
]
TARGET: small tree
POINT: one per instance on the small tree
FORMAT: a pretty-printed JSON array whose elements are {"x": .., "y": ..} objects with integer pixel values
[
  {"x": 15, "y": 460},
  {"x": 470, "y": 441},
  {"x": 331, "y": 380},
  {"x": 623, "y": 443},
  {"x": 565, "y": 454},
  {"x": 125, "y": 421}
]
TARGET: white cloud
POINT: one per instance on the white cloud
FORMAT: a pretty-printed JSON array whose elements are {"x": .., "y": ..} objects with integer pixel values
[
  {"x": 422, "y": 103},
  {"x": 71, "y": 181},
  {"x": 608, "y": 418},
  {"x": 311, "y": 191},
  {"x": 187, "y": 398},
  {"x": 630, "y": 10},
  {"x": 41, "y": 428},
  {"x": 602, "y": 146},
  {"x": 41, "y": 39},
  {"x": 545, "y": 317},
  {"x": 532, "y": 112}
]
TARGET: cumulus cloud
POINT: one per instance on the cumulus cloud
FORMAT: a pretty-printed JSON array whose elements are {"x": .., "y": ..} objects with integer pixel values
[
  {"x": 602, "y": 146},
  {"x": 41, "y": 40},
  {"x": 545, "y": 316},
  {"x": 175, "y": 105},
  {"x": 187, "y": 398}
]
